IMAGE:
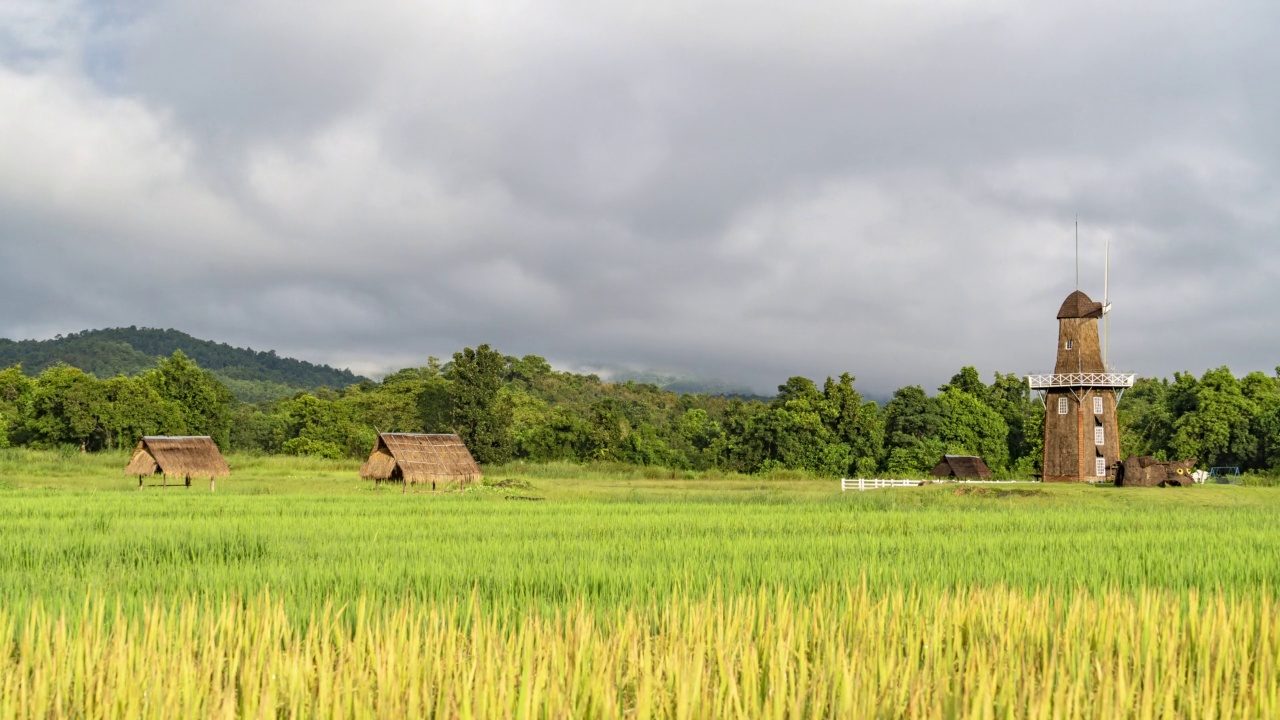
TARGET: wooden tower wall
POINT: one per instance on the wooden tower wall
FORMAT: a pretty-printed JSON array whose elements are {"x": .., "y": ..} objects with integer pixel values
[{"x": 1070, "y": 448}]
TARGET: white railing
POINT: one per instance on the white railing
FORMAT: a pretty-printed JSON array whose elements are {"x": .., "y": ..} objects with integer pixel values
[
  {"x": 865, "y": 484},
  {"x": 1102, "y": 380},
  {"x": 872, "y": 484}
]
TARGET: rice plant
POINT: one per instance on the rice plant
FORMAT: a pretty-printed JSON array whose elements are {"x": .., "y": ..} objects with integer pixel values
[
  {"x": 840, "y": 652},
  {"x": 298, "y": 591}
]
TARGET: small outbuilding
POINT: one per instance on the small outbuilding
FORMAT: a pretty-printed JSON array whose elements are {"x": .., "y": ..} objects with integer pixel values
[
  {"x": 961, "y": 466},
  {"x": 177, "y": 457},
  {"x": 1146, "y": 471},
  {"x": 413, "y": 458}
]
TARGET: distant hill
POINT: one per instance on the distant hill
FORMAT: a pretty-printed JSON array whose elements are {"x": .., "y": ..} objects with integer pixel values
[
  {"x": 250, "y": 374},
  {"x": 686, "y": 385}
]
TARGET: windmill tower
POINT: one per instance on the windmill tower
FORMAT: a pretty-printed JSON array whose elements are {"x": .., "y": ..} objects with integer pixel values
[{"x": 1081, "y": 434}]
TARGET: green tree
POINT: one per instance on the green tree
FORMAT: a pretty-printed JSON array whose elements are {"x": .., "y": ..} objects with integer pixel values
[
  {"x": 480, "y": 414},
  {"x": 608, "y": 430},
  {"x": 914, "y": 458},
  {"x": 698, "y": 429},
  {"x": 205, "y": 403},
  {"x": 322, "y": 428},
  {"x": 971, "y": 427},
  {"x": 66, "y": 408},
  {"x": 15, "y": 395},
  {"x": 1146, "y": 421},
  {"x": 913, "y": 422},
  {"x": 733, "y": 450},
  {"x": 1010, "y": 396},
  {"x": 134, "y": 409},
  {"x": 791, "y": 432},
  {"x": 855, "y": 423},
  {"x": 1217, "y": 427},
  {"x": 255, "y": 430},
  {"x": 435, "y": 405},
  {"x": 1264, "y": 393},
  {"x": 968, "y": 380}
]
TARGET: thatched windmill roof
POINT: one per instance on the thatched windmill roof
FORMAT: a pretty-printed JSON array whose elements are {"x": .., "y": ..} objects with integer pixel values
[
  {"x": 961, "y": 466},
  {"x": 1078, "y": 305},
  {"x": 178, "y": 457},
  {"x": 417, "y": 458}
]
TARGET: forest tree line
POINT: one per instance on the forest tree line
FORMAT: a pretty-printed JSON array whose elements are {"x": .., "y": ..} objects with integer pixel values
[
  {"x": 251, "y": 375},
  {"x": 509, "y": 409}
]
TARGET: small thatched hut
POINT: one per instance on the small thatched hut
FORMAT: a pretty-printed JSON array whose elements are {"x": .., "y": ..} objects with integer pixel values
[
  {"x": 414, "y": 458},
  {"x": 961, "y": 466},
  {"x": 180, "y": 457}
]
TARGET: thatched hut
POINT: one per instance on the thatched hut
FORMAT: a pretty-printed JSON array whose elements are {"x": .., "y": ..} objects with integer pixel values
[
  {"x": 961, "y": 466},
  {"x": 179, "y": 457},
  {"x": 416, "y": 458}
]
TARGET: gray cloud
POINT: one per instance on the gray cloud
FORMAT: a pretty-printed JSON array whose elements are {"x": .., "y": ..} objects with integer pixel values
[{"x": 721, "y": 188}]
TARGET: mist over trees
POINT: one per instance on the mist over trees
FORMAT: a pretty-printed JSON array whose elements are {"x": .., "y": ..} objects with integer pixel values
[{"x": 521, "y": 409}]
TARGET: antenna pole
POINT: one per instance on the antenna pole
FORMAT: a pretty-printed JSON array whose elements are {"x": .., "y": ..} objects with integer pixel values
[
  {"x": 1077, "y": 252},
  {"x": 1106, "y": 320}
]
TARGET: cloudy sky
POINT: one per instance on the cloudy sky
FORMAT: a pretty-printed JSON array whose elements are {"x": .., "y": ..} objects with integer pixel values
[{"x": 742, "y": 190}]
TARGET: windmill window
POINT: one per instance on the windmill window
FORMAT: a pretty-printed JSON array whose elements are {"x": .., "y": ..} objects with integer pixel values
[
  {"x": 1071, "y": 344},
  {"x": 1098, "y": 436},
  {"x": 1062, "y": 406},
  {"x": 1097, "y": 406},
  {"x": 1100, "y": 467}
]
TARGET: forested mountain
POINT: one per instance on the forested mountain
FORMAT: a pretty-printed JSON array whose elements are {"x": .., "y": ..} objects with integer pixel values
[
  {"x": 508, "y": 408},
  {"x": 250, "y": 374}
]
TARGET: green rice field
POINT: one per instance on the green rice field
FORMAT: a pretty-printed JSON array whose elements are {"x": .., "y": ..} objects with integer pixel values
[{"x": 297, "y": 590}]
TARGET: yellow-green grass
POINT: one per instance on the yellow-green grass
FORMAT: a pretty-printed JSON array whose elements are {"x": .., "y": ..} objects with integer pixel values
[
  {"x": 313, "y": 532},
  {"x": 840, "y": 652},
  {"x": 298, "y": 590}
]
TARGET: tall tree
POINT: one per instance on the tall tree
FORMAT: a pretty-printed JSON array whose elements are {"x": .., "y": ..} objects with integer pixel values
[
  {"x": 1010, "y": 396},
  {"x": 66, "y": 408},
  {"x": 134, "y": 409},
  {"x": 856, "y": 423},
  {"x": 481, "y": 415},
  {"x": 1218, "y": 427},
  {"x": 913, "y": 421},
  {"x": 971, "y": 427},
  {"x": 15, "y": 394},
  {"x": 205, "y": 404}
]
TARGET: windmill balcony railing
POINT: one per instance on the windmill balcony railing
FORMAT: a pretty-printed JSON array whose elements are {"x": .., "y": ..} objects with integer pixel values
[{"x": 1068, "y": 380}]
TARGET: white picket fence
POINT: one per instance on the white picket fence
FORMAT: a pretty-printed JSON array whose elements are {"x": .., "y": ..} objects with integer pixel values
[
  {"x": 865, "y": 484},
  {"x": 872, "y": 484}
]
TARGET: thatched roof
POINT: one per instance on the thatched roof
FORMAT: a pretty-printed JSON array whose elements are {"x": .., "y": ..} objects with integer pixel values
[
  {"x": 961, "y": 466},
  {"x": 417, "y": 458},
  {"x": 179, "y": 457},
  {"x": 1078, "y": 305}
]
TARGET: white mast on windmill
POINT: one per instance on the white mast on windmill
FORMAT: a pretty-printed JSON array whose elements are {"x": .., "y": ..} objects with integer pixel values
[{"x": 1106, "y": 310}]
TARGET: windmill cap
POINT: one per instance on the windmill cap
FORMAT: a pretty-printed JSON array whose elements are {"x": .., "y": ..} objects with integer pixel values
[{"x": 1078, "y": 305}]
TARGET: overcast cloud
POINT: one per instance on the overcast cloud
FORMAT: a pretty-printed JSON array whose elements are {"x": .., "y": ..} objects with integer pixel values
[{"x": 741, "y": 190}]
